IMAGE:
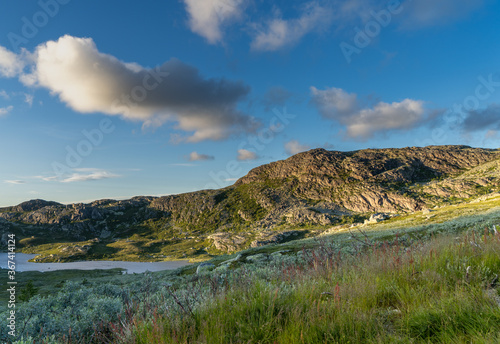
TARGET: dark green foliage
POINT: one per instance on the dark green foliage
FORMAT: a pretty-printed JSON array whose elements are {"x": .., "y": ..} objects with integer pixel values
[
  {"x": 356, "y": 218},
  {"x": 221, "y": 196},
  {"x": 26, "y": 293}
]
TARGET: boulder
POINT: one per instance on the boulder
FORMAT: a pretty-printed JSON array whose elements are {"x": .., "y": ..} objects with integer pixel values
[{"x": 375, "y": 218}]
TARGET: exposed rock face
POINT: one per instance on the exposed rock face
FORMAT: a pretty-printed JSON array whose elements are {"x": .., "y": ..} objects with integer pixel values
[
  {"x": 405, "y": 164},
  {"x": 33, "y": 205},
  {"x": 372, "y": 180},
  {"x": 314, "y": 187},
  {"x": 228, "y": 242},
  {"x": 358, "y": 181}
]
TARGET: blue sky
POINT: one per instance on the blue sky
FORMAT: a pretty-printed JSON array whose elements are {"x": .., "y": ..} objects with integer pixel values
[{"x": 121, "y": 98}]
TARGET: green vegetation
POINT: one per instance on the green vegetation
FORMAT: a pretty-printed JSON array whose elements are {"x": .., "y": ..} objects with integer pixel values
[
  {"x": 28, "y": 291},
  {"x": 48, "y": 283},
  {"x": 433, "y": 283},
  {"x": 443, "y": 291}
]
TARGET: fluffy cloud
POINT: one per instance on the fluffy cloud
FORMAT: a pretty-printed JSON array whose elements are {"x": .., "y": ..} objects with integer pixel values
[
  {"x": 336, "y": 104},
  {"x": 194, "y": 156},
  {"x": 279, "y": 33},
  {"x": 90, "y": 81},
  {"x": 4, "y": 94},
  {"x": 294, "y": 147},
  {"x": 11, "y": 64},
  {"x": 246, "y": 155},
  {"x": 488, "y": 118},
  {"x": 6, "y": 110},
  {"x": 206, "y": 17}
]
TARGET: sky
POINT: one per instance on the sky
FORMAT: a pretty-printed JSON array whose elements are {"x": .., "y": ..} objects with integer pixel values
[{"x": 114, "y": 99}]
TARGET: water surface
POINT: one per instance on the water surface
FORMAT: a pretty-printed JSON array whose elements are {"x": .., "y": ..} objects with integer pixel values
[{"x": 22, "y": 264}]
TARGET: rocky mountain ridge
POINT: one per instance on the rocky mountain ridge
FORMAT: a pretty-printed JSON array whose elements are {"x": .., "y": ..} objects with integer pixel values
[{"x": 314, "y": 188}]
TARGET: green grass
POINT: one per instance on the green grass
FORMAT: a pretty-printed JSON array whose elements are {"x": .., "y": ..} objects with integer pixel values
[
  {"x": 385, "y": 283},
  {"x": 435, "y": 292}
]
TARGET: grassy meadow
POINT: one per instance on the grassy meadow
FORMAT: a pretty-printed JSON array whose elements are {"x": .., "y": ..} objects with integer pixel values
[
  {"x": 419, "y": 279},
  {"x": 441, "y": 291}
]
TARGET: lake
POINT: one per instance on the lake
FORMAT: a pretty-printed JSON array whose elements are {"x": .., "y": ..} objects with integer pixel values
[{"x": 22, "y": 264}]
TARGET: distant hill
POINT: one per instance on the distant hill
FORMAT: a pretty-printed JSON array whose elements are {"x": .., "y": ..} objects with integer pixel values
[{"x": 314, "y": 188}]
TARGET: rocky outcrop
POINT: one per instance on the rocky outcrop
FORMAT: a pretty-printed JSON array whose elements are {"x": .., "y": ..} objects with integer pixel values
[
  {"x": 310, "y": 215},
  {"x": 375, "y": 218},
  {"x": 33, "y": 205},
  {"x": 228, "y": 242},
  {"x": 271, "y": 237},
  {"x": 330, "y": 168},
  {"x": 371, "y": 180}
]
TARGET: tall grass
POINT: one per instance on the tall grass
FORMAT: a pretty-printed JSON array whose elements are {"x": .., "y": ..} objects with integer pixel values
[
  {"x": 441, "y": 291},
  {"x": 425, "y": 284}
]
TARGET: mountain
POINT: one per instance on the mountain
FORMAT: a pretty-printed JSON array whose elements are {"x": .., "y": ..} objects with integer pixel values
[{"x": 318, "y": 188}]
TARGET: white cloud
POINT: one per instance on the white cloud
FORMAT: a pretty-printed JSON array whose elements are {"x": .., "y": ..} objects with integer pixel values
[
  {"x": 384, "y": 116},
  {"x": 88, "y": 176},
  {"x": 90, "y": 81},
  {"x": 15, "y": 182},
  {"x": 11, "y": 64},
  {"x": 28, "y": 99},
  {"x": 194, "y": 156},
  {"x": 294, "y": 147},
  {"x": 279, "y": 33},
  {"x": 6, "y": 110},
  {"x": 48, "y": 179},
  {"x": 206, "y": 17},
  {"x": 245, "y": 155},
  {"x": 4, "y": 94},
  {"x": 336, "y": 104},
  {"x": 80, "y": 175}
]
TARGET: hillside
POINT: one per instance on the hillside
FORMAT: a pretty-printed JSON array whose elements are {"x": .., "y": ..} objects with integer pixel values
[{"x": 287, "y": 199}]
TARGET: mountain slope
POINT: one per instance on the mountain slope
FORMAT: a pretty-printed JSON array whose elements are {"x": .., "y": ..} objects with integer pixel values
[{"x": 314, "y": 188}]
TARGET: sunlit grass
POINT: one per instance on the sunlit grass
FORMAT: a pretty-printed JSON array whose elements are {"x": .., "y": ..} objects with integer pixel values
[
  {"x": 388, "y": 293},
  {"x": 429, "y": 283}
]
